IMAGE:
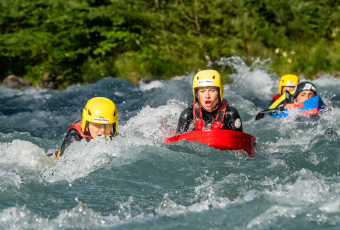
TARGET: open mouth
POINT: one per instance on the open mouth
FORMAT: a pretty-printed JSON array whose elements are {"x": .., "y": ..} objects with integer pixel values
[{"x": 208, "y": 103}]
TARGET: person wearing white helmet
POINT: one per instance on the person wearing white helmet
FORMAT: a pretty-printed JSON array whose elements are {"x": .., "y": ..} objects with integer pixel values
[
  {"x": 210, "y": 110},
  {"x": 100, "y": 118}
]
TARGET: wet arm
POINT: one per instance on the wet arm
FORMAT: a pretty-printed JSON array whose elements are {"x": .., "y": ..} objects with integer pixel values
[{"x": 71, "y": 136}]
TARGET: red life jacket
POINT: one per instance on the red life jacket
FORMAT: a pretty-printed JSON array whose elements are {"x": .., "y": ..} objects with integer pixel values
[
  {"x": 77, "y": 127},
  {"x": 218, "y": 122},
  {"x": 275, "y": 97}
]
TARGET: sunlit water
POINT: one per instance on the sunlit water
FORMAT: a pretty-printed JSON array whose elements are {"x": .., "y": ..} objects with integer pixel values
[{"x": 137, "y": 182}]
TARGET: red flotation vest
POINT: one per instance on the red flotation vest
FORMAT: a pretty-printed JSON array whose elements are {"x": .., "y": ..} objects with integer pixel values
[
  {"x": 77, "y": 127},
  {"x": 275, "y": 97},
  {"x": 218, "y": 122}
]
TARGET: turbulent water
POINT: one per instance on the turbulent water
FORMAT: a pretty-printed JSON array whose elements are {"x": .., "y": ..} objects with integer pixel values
[{"x": 136, "y": 181}]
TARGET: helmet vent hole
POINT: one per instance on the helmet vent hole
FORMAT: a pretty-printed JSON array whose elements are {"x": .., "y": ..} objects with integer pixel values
[
  {"x": 198, "y": 78},
  {"x": 213, "y": 77},
  {"x": 88, "y": 111}
]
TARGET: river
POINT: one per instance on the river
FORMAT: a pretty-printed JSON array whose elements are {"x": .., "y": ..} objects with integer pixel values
[{"x": 136, "y": 181}]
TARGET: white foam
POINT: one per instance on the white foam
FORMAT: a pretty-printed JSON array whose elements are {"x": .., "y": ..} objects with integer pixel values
[
  {"x": 8, "y": 178},
  {"x": 332, "y": 206},
  {"x": 204, "y": 199},
  {"x": 158, "y": 123},
  {"x": 82, "y": 158},
  {"x": 150, "y": 85},
  {"x": 149, "y": 127},
  {"x": 271, "y": 215},
  {"x": 79, "y": 217},
  {"x": 250, "y": 81},
  {"x": 327, "y": 81},
  {"x": 22, "y": 154},
  {"x": 306, "y": 190}
]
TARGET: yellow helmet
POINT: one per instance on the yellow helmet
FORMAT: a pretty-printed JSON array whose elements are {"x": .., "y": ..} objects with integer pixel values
[
  {"x": 288, "y": 80},
  {"x": 206, "y": 78},
  {"x": 100, "y": 110}
]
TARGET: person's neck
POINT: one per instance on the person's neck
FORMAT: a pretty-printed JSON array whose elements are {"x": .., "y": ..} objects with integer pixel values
[{"x": 214, "y": 109}]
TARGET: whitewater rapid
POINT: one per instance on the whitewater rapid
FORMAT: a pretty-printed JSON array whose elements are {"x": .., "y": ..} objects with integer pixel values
[{"x": 136, "y": 181}]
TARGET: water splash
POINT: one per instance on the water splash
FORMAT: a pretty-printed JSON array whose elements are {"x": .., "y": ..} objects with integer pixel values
[{"x": 250, "y": 81}]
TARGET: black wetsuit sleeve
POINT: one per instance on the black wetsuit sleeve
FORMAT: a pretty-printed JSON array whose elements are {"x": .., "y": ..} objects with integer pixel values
[
  {"x": 70, "y": 137},
  {"x": 232, "y": 120},
  {"x": 185, "y": 121}
]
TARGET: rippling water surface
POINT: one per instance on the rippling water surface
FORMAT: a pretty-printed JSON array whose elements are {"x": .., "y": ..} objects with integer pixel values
[{"x": 136, "y": 181}]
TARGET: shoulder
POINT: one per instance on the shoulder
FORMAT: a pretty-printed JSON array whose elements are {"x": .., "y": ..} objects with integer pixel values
[
  {"x": 232, "y": 109},
  {"x": 73, "y": 131},
  {"x": 233, "y": 119},
  {"x": 187, "y": 112},
  {"x": 73, "y": 134}
]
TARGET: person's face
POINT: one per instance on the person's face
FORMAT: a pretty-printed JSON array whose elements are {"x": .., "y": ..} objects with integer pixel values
[
  {"x": 207, "y": 97},
  {"x": 99, "y": 129},
  {"x": 287, "y": 88},
  {"x": 304, "y": 95}
]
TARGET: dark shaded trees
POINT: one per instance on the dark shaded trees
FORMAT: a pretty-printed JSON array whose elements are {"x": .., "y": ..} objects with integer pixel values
[{"x": 82, "y": 41}]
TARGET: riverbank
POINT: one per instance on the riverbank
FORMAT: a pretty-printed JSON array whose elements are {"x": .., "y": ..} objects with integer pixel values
[{"x": 58, "y": 43}]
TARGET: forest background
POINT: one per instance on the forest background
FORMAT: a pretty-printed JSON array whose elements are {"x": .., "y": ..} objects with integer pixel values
[{"x": 82, "y": 41}]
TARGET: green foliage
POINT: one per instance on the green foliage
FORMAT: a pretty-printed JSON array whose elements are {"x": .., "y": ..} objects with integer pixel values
[{"x": 83, "y": 41}]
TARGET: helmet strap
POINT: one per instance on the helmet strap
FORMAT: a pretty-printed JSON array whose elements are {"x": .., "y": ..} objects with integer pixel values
[
  {"x": 113, "y": 130},
  {"x": 86, "y": 130},
  {"x": 218, "y": 104},
  {"x": 219, "y": 100}
]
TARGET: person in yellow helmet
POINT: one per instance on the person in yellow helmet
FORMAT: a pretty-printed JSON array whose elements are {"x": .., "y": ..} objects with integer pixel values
[
  {"x": 302, "y": 92},
  {"x": 287, "y": 84},
  {"x": 99, "y": 118},
  {"x": 210, "y": 110}
]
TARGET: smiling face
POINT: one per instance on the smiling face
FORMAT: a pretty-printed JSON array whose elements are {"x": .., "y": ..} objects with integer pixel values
[
  {"x": 208, "y": 97},
  {"x": 304, "y": 95},
  {"x": 99, "y": 129}
]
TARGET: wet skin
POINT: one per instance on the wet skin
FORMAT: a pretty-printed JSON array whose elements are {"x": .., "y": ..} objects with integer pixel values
[
  {"x": 301, "y": 97},
  {"x": 207, "y": 97},
  {"x": 304, "y": 95},
  {"x": 99, "y": 129}
]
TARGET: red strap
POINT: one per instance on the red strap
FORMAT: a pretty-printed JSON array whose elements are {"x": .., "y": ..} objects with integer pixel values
[
  {"x": 77, "y": 127},
  {"x": 197, "y": 111},
  {"x": 218, "y": 123}
]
